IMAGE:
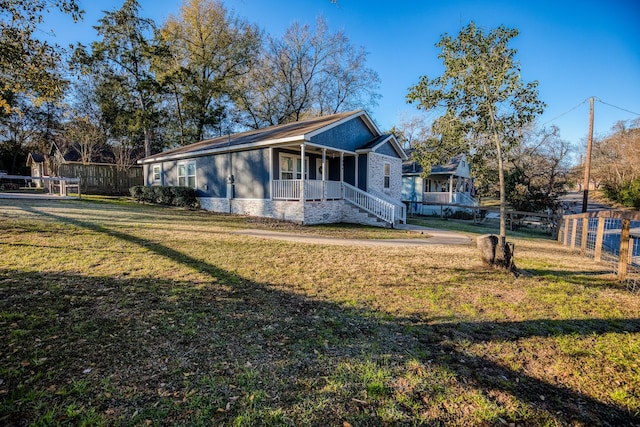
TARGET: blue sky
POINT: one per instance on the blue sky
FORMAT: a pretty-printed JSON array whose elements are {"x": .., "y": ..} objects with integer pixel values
[{"x": 575, "y": 49}]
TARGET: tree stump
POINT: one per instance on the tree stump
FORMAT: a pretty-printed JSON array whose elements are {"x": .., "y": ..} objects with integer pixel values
[{"x": 494, "y": 254}]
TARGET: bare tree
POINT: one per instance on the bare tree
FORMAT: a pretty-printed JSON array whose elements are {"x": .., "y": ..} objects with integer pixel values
[{"x": 308, "y": 72}]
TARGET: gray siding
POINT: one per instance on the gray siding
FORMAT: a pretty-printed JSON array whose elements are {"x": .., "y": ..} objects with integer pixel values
[
  {"x": 347, "y": 136},
  {"x": 388, "y": 150},
  {"x": 212, "y": 173},
  {"x": 250, "y": 170}
]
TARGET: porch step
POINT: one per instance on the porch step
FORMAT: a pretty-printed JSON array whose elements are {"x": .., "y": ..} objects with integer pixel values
[{"x": 362, "y": 216}]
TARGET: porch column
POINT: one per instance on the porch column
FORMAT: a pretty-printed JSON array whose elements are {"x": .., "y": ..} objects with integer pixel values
[
  {"x": 324, "y": 173},
  {"x": 302, "y": 171},
  {"x": 342, "y": 174},
  {"x": 450, "y": 188},
  {"x": 357, "y": 176}
]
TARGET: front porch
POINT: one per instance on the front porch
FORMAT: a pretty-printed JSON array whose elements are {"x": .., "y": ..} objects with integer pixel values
[
  {"x": 451, "y": 189},
  {"x": 298, "y": 189},
  {"x": 310, "y": 191}
]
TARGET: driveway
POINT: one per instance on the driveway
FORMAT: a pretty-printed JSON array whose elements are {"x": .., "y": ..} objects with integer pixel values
[{"x": 435, "y": 237}]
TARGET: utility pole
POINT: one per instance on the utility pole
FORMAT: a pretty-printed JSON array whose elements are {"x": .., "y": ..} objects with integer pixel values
[{"x": 587, "y": 162}]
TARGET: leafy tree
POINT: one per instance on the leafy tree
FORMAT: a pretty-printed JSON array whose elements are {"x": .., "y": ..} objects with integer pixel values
[
  {"x": 29, "y": 66},
  {"x": 486, "y": 103},
  {"x": 121, "y": 61},
  {"x": 26, "y": 128},
  {"x": 306, "y": 73},
  {"x": 210, "y": 49}
]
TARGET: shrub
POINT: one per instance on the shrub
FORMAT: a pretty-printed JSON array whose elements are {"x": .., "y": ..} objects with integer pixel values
[
  {"x": 627, "y": 193},
  {"x": 165, "y": 195},
  {"x": 148, "y": 195},
  {"x": 137, "y": 192},
  {"x": 184, "y": 197}
]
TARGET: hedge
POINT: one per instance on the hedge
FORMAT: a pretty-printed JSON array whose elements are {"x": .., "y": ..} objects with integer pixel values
[{"x": 165, "y": 195}]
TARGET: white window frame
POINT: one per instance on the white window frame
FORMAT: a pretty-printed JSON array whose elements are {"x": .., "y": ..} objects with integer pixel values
[
  {"x": 387, "y": 175},
  {"x": 295, "y": 172},
  {"x": 184, "y": 177},
  {"x": 156, "y": 173}
]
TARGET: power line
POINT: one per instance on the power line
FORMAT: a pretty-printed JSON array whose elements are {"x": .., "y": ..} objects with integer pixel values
[
  {"x": 614, "y": 106},
  {"x": 565, "y": 113}
]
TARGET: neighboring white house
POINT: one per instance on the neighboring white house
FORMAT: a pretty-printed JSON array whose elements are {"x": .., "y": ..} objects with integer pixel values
[
  {"x": 450, "y": 184},
  {"x": 337, "y": 168}
]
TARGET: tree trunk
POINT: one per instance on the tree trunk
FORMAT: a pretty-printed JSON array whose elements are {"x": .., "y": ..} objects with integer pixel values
[{"x": 495, "y": 254}]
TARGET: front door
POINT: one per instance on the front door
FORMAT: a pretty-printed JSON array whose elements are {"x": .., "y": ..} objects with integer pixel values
[{"x": 318, "y": 169}]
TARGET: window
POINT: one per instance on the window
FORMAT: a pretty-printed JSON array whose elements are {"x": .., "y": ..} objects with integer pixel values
[
  {"x": 156, "y": 173},
  {"x": 187, "y": 174},
  {"x": 291, "y": 167},
  {"x": 387, "y": 175}
]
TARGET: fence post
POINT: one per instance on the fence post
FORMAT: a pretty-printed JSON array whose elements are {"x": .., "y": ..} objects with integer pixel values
[
  {"x": 599, "y": 238},
  {"x": 585, "y": 234},
  {"x": 566, "y": 231},
  {"x": 624, "y": 250},
  {"x": 574, "y": 233}
]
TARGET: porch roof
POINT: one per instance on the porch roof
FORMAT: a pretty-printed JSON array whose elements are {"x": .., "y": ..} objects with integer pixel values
[
  {"x": 273, "y": 135},
  {"x": 412, "y": 167}
]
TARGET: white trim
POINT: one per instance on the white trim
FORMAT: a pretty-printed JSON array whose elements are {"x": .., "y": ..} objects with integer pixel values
[
  {"x": 386, "y": 175},
  {"x": 218, "y": 150},
  {"x": 271, "y": 172},
  {"x": 153, "y": 173},
  {"x": 394, "y": 142},
  {"x": 367, "y": 121},
  {"x": 302, "y": 138},
  {"x": 296, "y": 171},
  {"x": 187, "y": 175}
]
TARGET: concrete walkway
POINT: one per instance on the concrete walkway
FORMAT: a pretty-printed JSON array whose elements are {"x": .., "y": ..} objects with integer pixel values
[{"x": 435, "y": 237}]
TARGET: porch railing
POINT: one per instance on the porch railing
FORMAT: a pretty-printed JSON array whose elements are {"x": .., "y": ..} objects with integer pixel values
[
  {"x": 446, "y": 197},
  {"x": 384, "y": 210},
  {"x": 289, "y": 189},
  {"x": 286, "y": 189}
]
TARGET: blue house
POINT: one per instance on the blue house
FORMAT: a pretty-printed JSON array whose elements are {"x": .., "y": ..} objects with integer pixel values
[
  {"x": 449, "y": 184},
  {"x": 337, "y": 168}
]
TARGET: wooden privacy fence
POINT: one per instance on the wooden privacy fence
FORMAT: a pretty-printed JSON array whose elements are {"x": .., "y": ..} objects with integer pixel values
[
  {"x": 99, "y": 178},
  {"x": 606, "y": 236}
]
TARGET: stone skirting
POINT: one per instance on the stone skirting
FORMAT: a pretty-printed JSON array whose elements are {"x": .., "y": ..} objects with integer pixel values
[
  {"x": 309, "y": 213},
  {"x": 276, "y": 209}
]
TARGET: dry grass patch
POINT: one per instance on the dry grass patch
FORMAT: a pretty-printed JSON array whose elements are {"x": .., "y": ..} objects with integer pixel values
[{"x": 120, "y": 314}]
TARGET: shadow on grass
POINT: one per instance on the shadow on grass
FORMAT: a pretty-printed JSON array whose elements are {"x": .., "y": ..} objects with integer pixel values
[
  {"x": 602, "y": 279},
  {"x": 229, "y": 348}
]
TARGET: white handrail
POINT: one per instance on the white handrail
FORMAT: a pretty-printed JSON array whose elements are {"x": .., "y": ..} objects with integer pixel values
[
  {"x": 401, "y": 208},
  {"x": 384, "y": 210},
  {"x": 289, "y": 189}
]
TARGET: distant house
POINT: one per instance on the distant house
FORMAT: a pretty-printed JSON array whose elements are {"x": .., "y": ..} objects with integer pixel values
[
  {"x": 37, "y": 164},
  {"x": 337, "y": 168},
  {"x": 99, "y": 176},
  {"x": 449, "y": 184}
]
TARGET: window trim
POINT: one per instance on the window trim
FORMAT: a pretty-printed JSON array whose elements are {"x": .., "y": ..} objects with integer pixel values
[
  {"x": 386, "y": 170},
  {"x": 185, "y": 166},
  {"x": 296, "y": 166},
  {"x": 156, "y": 169}
]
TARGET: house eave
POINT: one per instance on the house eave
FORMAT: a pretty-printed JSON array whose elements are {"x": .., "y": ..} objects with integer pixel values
[{"x": 221, "y": 149}]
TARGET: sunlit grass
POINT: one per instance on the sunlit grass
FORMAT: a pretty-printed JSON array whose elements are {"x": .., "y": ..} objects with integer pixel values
[{"x": 115, "y": 313}]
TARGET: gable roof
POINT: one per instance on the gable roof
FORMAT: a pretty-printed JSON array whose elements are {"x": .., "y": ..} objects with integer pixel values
[
  {"x": 34, "y": 157},
  {"x": 272, "y": 135},
  {"x": 411, "y": 167}
]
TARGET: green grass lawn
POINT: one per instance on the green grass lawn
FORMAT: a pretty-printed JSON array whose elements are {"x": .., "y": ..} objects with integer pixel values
[{"x": 113, "y": 313}]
